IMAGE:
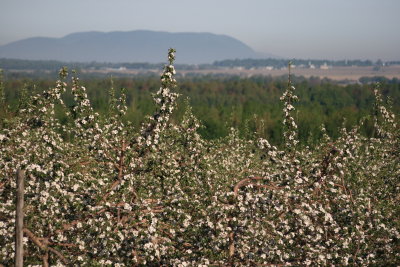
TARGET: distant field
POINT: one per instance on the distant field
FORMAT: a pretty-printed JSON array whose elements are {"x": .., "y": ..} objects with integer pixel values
[{"x": 335, "y": 73}]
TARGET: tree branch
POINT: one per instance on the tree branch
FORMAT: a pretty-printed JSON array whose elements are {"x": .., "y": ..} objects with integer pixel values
[{"x": 44, "y": 247}]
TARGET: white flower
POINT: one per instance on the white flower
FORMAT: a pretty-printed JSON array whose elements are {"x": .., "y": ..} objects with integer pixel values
[{"x": 127, "y": 206}]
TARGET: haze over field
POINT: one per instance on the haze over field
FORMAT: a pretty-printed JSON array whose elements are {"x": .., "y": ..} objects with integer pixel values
[{"x": 357, "y": 29}]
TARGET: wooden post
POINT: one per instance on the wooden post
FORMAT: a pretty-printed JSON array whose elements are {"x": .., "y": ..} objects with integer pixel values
[{"x": 19, "y": 220}]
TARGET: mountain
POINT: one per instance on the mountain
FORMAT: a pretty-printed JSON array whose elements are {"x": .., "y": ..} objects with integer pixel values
[{"x": 132, "y": 46}]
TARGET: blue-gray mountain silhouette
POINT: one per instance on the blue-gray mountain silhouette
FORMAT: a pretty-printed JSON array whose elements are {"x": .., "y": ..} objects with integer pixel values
[{"x": 132, "y": 46}]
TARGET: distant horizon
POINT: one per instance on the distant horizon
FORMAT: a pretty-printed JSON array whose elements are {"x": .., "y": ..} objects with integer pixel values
[
  {"x": 334, "y": 30},
  {"x": 261, "y": 53}
]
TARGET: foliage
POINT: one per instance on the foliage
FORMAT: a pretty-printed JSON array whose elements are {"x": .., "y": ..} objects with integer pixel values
[
  {"x": 101, "y": 192},
  {"x": 250, "y": 104}
]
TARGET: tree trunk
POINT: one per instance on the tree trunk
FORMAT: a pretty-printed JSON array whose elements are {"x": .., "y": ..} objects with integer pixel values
[{"x": 19, "y": 220}]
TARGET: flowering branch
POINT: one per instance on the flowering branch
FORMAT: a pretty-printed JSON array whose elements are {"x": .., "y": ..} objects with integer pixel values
[{"x": 43, "y": 245}]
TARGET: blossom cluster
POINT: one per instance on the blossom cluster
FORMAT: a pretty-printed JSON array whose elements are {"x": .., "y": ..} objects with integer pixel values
[{"x": 101, "y": 193}]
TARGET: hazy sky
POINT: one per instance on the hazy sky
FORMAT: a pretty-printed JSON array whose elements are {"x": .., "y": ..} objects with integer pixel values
[{"x": 318, "y": 29}]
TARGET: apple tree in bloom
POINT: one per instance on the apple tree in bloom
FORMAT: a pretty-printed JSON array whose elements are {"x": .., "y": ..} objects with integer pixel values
[{"x": 100, "y": 192}]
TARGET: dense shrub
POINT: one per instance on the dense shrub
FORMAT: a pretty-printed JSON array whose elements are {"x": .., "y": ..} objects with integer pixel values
[{"x": 100, "y": 192}]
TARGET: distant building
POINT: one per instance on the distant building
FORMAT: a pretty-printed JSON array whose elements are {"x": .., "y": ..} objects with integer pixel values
[{"x": 325, "y": 66}]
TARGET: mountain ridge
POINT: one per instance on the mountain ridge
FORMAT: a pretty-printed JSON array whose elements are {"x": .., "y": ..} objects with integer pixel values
[{"x": 130, "y": 46}]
